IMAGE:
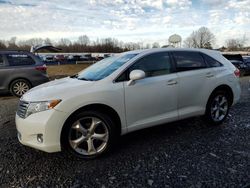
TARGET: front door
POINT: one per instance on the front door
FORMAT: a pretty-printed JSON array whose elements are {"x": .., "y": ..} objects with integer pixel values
[{"x": 152, "y": 100}]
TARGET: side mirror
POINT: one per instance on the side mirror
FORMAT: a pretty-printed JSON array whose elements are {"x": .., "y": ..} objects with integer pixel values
[{"x": 136, "y": 75}]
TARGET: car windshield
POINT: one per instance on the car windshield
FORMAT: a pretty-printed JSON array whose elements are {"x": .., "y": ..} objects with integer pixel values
[{"x": 104, "y": 67}]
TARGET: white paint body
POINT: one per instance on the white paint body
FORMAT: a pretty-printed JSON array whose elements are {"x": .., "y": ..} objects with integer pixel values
[{"x": 147, "y": 102}]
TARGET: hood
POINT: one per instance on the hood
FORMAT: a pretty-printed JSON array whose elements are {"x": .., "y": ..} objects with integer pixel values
[{"x": 57, "y": 89}]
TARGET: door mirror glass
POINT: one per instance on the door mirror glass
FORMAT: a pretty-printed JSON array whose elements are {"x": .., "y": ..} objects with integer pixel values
[{"x": 137, "y": 75}]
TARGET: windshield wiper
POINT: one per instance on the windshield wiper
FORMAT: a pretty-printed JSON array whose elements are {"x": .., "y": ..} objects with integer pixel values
[
  {"x": 84, "y": 79},
  {"x": 74, "y": 76}
]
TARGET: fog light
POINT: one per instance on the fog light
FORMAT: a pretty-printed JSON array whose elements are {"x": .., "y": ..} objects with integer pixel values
[{"x": 40, "y": 138}]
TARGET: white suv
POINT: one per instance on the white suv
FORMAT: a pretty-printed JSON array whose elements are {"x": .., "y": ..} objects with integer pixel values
[{"x": 85, "y": 113}]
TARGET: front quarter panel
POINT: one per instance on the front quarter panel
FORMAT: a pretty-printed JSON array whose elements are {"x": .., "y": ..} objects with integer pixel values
[{"x": 111, "y": 95}]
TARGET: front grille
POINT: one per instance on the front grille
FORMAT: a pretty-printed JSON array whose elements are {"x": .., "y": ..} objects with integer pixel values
[{"x": 22, "y": 108}]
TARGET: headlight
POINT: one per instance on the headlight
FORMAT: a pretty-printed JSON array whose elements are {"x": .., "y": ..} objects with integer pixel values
[{"x": 35, "y": 107}]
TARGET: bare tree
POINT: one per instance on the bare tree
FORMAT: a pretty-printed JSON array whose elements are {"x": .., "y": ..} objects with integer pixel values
[
  {"x": 156, "y": 45},
  {"x": 2, "y": 44},
  {"x": 236, "y": 43},
  {"x": 83, "y": 40},
  {"x": 34, "y": 41},
  {"x": 47, "y": 41},
  {"x": 12, "y": 43},
  {"x": 64, "y": 42},
  {"x": 202, "y": 38},
  {"x": 189, "y": 42}
]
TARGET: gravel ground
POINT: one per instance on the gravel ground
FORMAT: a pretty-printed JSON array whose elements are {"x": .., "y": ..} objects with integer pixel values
[{"x": 183, "y": 154}]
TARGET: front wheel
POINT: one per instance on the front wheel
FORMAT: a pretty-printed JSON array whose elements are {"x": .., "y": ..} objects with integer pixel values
[
  {"x": 217, "y": 108},
  {"x": 88, "y": 134}
]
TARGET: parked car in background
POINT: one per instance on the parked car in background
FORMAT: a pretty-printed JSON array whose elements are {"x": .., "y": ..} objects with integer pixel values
[
  {"x": 84, "y": 114},
  {"x": 242, "y": 66},
  {"x": 59, "y": 58},
  {"x": 99, "y": 58},
  {"x": 87, "y": 57},
  {"x": 74, "y": 58},
  {"x": 238, "y": 61},
  {"x": 246, "y": 59},
  {"x": 107, "y": 55},
  {"x": 48, "y": 58},
  {"x": 20, "y": 71},
  {"x": 247, "y": 62}
]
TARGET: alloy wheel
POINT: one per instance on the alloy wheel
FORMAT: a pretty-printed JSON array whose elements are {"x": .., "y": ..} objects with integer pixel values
[
  {"x": 219, "y": 108},
  {"x": 89, "y": 136}
]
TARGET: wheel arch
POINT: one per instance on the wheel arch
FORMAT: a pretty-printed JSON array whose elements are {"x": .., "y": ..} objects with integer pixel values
[
  {"x": 225, "y": 88},
  {"x": 103, "y": 108},
  {"x": 19, "y": 78}
]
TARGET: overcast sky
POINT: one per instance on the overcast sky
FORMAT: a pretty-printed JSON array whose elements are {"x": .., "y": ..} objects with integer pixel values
[{"x": 127, "y": 20}]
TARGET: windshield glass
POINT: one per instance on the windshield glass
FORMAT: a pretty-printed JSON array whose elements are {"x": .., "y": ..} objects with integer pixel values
[{"x": 104, "y": 67}]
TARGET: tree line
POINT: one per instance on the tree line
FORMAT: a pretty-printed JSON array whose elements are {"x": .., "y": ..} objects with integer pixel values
[
  {"x": 201, "y": 38},
  {"x": 82, "y": 44}
]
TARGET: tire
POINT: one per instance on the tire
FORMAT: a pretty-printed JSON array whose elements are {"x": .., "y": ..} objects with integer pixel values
[
  {"x": 19, "y": 87},
  {"x": 88, "y": 135},
  {"x": 217, "y": 108}
]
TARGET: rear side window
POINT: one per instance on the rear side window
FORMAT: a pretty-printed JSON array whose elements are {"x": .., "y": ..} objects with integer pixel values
[
  {"x": 19, "y": 59},
  {"x": 211, "y": 61},
  {"x": 153, "y": 65},
  {"x": 188, "y": 61}
]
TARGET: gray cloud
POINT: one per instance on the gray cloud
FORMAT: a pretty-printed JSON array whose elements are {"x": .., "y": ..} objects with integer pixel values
[{"x": 127, "y": 20}]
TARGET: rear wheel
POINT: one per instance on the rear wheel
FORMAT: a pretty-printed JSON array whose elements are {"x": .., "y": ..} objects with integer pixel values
[
  {"x": 217, "y": 108},
  {"x": 19, "y": 87},
  {"x": 88, "y": 134}
]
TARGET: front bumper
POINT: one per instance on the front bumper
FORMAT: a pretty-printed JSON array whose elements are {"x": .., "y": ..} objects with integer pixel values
[{"x": 48, "y": 124}]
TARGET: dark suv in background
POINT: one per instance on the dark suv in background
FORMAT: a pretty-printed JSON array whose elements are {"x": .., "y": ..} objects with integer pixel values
[
  {"x": 238, "y": 61},
  {"x": 20, "y": 71}
]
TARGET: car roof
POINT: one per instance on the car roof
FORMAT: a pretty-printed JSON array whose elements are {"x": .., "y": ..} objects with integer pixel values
[
  {"x": 169, "y": 49},
  {"x": 212, "y": 53},
  {"x": 13, "y": 51}
]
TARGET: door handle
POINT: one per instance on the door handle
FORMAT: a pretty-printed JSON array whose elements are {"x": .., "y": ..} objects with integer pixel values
[
  {"x": 172, "y": 82},
  {"x": 209, "y": 75}
]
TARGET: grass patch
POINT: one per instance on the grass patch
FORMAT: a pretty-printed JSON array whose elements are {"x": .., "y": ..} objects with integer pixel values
[{"x": 65, "y": 70}]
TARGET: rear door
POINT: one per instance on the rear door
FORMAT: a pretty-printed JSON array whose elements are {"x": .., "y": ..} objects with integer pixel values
[{"x": 195, "y": 82}]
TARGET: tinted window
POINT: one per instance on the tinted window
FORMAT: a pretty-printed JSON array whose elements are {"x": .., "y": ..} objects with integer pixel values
[
  {"x": 153, "y": 65},
  {"x": 1, "y": 60},
  {"x": 211, "y": 62},
  {"x": 19, "y": 59},
  {"x": 188, "y": 61}
]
